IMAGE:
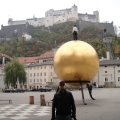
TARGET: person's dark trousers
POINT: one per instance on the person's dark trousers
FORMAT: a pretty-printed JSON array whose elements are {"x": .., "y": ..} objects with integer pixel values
[
  {"x": 59, "y": 117},
  {"x": 75, "y": 35}
]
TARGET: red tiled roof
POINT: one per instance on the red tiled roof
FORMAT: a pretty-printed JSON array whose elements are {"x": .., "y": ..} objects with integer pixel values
[
  {"x": 28, "y": 59},
  {"x": 47, "y": 54}
]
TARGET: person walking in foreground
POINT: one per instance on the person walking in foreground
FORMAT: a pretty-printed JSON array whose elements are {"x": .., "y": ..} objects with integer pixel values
[
  {"x": 75, "y": 32},
  {"x": 63, "y": 103}
]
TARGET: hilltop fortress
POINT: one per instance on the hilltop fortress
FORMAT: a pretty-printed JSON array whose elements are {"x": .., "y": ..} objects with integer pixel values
[
  {"x": 58, "y": 16},
  {"x": 24, "y": 28}
]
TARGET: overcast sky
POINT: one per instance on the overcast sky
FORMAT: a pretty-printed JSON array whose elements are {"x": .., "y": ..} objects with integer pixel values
[{"x": 109, "y": 10}]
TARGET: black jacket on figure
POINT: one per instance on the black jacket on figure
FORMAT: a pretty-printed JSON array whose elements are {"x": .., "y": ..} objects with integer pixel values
[
  {"x": 57, "y": 89},
  {"x": 64, "y": 104}
]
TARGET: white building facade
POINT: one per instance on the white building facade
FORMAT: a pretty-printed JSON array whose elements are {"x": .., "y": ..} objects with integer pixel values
[
  {"x": 41, "y": 73},
  {"x": 58, "y": 16},
  {"x": 108, "y": 74}
]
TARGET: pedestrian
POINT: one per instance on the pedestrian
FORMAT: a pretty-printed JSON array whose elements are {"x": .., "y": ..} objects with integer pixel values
[
  {"x": 63, "y": 104},
  {"x": 75, "y": 32}
]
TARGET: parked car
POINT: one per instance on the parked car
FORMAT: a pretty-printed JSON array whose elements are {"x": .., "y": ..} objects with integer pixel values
[
  {"x": 49, "y": 88},
  {"x": 12, "y": 90},
  {"x": 45, "y": 89},
  {"x": 27, "y": 90},
  {"x": 34, "y": 89},
  {"x": 19, "y": 90},
  {"x": 9, "y": 90}
]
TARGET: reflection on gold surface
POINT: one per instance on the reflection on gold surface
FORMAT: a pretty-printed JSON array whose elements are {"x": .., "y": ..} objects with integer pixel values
[{"x": 76, "y": 60}]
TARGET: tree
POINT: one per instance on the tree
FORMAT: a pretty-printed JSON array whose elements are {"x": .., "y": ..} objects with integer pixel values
[{"x": 14, "y": 72}]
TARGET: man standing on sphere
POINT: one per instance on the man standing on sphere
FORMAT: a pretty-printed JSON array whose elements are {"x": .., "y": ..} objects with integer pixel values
[
  {"x": 75, "y": 32},
  {"x": 63, "y": 102}
]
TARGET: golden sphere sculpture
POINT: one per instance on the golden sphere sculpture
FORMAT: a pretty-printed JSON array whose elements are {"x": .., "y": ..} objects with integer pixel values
[{"x": 76, "y": 61}]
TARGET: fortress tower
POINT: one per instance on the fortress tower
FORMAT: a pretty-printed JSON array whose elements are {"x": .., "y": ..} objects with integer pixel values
[
  {"x": 75, "y": 12},
  {"x": 96, "y": 13}
]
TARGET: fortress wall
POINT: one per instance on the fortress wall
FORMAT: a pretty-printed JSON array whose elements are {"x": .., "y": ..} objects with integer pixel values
[
  {"x": 59, "y": 16},
  {"x": 59, "y": 19},
  {"x": 17, "y": 22}
]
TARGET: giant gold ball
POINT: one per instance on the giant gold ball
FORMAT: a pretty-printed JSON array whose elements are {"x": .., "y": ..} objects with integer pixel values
[{"x": 76, "y": 60}]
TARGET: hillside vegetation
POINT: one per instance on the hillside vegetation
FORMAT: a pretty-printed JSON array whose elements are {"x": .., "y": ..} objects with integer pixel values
[{"x": 45, "y": 39}]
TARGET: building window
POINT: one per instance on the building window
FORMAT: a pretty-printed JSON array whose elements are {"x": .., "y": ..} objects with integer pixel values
[
  {"x": 40, "y": 80},
  {"x": 37, "y": 80},
  {"x": 118, "y": 78},
  {"x": 51, "y": 80},
  {"x": 34, "y": 74},
  {"x": 34, "y": 80},
  {"x": 51, "y": 73},
  {"x": 45, "y": 67},
  {"x": 34, "y": 68},
  {"x": 30, "y": 80},
  {"x": 30, "y": 74},
  {"x": 37, "y": 67},
  {"x": 37, "y": 74},
  {"x": 106, "y": 79},
  {"x": 105, "y": 71},
  {"x": 44, "y": 73},
  {"x": 44, "y": 80},
  {"x": 51, "y": 67},
  {"x": 118, "y": 70},
  {"x": 44, "y": 60},
  {"x": 30, "y": 68},
  {"x": 40, "y": 74},
  {"x": 41, "y": 67}
]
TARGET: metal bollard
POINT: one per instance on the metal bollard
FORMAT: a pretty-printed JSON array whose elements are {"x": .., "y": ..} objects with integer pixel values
[{"x": 31, "y": 100}]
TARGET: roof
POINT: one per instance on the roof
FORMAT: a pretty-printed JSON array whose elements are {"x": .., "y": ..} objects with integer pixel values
[
  {"x": 38, "y": 64},
  {"x": 25, "y": 60},
  {"x": 9, "y": 31},
  {"x": 109, "y": 62},
  {"x": 102, "y": 26},
  {"x": 48, "y": 54}
]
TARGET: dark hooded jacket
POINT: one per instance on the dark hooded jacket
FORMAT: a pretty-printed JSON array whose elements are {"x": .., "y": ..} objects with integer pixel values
[{"x": 64, "y": 104}]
